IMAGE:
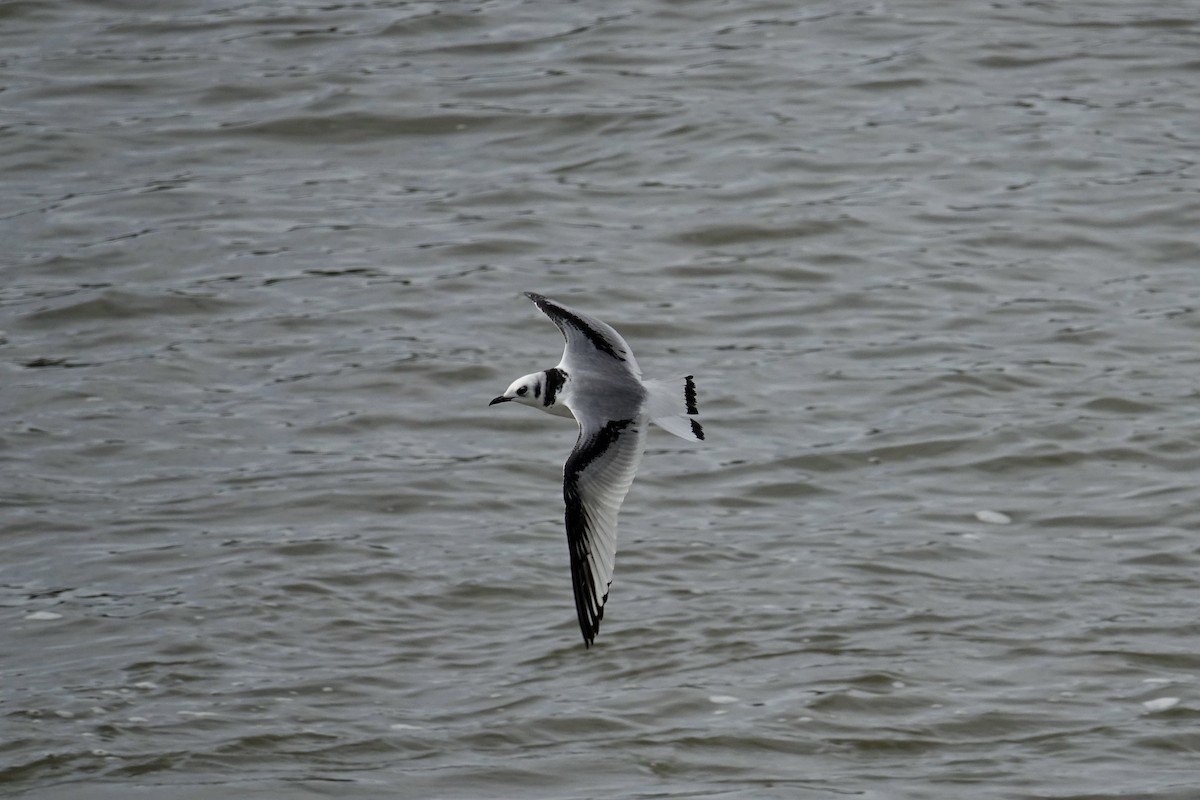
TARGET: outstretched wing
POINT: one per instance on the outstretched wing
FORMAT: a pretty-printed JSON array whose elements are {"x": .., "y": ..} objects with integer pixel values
[
  {"x": 589, "y": 341},
  {"x": 596, "y": 479}
]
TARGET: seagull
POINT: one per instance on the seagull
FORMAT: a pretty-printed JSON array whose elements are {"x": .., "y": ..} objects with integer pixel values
[{"x": 599, "y": 383}]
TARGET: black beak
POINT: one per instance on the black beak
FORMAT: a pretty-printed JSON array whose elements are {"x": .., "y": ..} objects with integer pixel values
[{"x": 500, "y": 399}]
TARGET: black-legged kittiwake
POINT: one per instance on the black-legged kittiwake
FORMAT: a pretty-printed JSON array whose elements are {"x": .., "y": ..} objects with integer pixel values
[{"x": 599, "y": 383}]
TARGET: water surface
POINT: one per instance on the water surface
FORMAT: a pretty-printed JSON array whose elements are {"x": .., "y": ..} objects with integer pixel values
[{"x": 933, "y": 266}]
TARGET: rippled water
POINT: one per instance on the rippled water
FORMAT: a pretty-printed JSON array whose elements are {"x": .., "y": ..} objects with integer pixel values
[{"x": 935, "y": 267}]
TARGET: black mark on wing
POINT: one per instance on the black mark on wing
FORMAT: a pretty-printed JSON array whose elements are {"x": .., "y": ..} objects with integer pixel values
[
  {"x": 562, "y": 317},
  {"x": 588, "y": 607},
  {"x": 689, "y": 396}
]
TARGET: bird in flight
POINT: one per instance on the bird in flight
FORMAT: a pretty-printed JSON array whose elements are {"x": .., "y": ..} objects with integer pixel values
[{"x": 599, "y": 383}]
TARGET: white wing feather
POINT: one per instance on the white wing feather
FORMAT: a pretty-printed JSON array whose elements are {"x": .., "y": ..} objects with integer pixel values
[
  {"x": 591, "y": 343},
  {"x": 596, "y": 478}
]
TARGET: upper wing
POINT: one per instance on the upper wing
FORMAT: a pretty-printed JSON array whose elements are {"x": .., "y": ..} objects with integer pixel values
[
  {"x": 596, "y": 479},
  {"x": 588, "y": 339}
]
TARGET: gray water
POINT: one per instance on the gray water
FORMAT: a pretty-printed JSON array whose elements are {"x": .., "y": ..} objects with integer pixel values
[{"x": 934, "y": 265}]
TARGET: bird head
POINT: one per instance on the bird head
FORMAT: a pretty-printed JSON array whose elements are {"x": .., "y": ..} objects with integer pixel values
[{"x": 526, "y": 390}]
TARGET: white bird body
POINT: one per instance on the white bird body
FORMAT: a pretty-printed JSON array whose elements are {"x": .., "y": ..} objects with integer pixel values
[{"x": 599, "y": 383}]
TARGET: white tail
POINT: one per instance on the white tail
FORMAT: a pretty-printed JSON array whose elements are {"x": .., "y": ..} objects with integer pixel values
[{"x": 672, "y": 406}]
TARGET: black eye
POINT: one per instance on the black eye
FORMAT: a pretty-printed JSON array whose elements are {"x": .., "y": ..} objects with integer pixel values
[{"x": 523, "y": 391}]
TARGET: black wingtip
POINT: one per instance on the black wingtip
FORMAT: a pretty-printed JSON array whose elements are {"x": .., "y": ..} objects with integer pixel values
[
  {"x": 590, "y": 629},
  {"x": 589, "y": 615},
  {"x": 697, "y": 430},
  {"x": 588, "y": 626},
  {"x": 689, "y": 396}
]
